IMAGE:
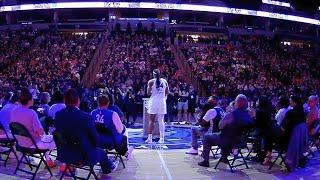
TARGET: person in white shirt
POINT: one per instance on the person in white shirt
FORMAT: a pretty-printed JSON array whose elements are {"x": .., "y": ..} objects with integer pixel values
[
  {"x": 283, "y": 106},
  {"x": 59, "y": 104},
  {"x": 158, "y": 89},
  {"x": 209, "y": 123}
]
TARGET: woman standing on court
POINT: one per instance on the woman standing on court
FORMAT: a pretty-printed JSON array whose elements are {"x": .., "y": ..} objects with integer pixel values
[{"x": 158, "y": 89}]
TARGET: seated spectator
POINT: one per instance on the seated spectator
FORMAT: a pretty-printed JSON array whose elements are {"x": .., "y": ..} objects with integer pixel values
[
  {"x": 296, "y": 155},
  {"x": 6, "y": 112},
  {"x": 292, "y": 118},
  {"x": 283, "y": 133},
  {"x": 209, "y": 123},
  {"x": 264, "y": 125},
  {"x": 76, "y": 124},
  {"x": 294, "y": 134},
  {"x": 43, "y": 110},
  {"x": 313, "y": 114},
  {"x": 29, "y": 118},
  {"x": 232, "y": 127},
  {"x": 283, "y": 108},
  {"x": 58, "y": 104},
  {"x": 117, "y": 137}
]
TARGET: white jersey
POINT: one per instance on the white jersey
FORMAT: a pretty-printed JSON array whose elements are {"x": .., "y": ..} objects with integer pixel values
[
  {"x": 157, "y": 102},
  {"x": 160, "y": 92}
]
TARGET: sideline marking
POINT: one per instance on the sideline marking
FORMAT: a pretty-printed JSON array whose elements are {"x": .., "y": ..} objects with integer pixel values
[{"x": 164, "y": 166}]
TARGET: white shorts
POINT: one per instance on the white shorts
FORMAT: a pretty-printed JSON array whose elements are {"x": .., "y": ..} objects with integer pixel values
[{"x": 157, "y": 106}]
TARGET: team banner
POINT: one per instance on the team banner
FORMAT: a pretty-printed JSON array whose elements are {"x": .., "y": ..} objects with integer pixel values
[{"x": 167, "y": 6}]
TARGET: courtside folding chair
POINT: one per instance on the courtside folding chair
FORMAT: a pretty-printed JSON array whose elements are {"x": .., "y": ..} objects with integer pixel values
[
  {"x": 72, "y": 166},
  {"x": 314, "y": 139},
  {"x": 238, "y": 156},
  {"x": 280, "y": 154},
  {"x": 102, "y": 130},
  {"x": 18, "y": 130},
  {"x": 7, "y": 143},
  {"x": 215, "y": 151},
  {"x": 255, "y": 142}
]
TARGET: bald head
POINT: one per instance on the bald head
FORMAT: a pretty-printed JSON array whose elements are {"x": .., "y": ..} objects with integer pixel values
[
  {"x": 313, "y": 101},
  {"x": 241, "y": 102}
]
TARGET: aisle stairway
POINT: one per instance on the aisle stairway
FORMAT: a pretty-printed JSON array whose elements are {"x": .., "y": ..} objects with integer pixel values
[
  {"x": 94, "y": 66},
  {"x": 186, "y": 70}
]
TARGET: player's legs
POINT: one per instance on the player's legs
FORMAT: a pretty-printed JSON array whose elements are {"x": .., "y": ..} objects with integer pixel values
[
  {"x": 152, "y": 118},
  {"x": 160, "y": 119}
]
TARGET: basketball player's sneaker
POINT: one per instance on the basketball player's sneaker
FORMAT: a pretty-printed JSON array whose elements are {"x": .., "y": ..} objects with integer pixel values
[
  {"x": 149, "y": 141},
  {"x": 161, "y": 140}
]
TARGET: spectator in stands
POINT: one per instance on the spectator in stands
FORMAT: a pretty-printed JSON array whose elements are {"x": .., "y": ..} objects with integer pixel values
[
  {"x": 29, "y": 118},
  {"x": 66, "y": 54},
  {"x": 208, "y": 124},
  {"x": 80, "y": 125},
  {"x": 113, "y": 134},
  {"x": 245, "y": 63},
  {"x": 232, "y": 127}
]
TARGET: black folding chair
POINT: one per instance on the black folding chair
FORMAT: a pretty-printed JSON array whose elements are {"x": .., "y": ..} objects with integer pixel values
[
  {"x": 314, "y": 139},
  {"x": 71, "y": 166},
  {"x": 255, "y": 141},
  {"x": 280, "y": 154},
  {"x": 19, "y": 130},
  {"x": 102, "y": 130},
  {"x": 215, "y": 151},
  {"x": 235, "y": 157},
  {"x": 7, "y": 142}
]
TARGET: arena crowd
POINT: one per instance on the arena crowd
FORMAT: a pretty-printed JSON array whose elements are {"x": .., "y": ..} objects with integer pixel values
[{"x": 250, "y": 79}]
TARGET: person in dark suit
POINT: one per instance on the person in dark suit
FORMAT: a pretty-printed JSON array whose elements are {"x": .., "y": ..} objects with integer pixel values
[
  {"x": 75, "y": 124},
  {"x": 232, "y": 127}
]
